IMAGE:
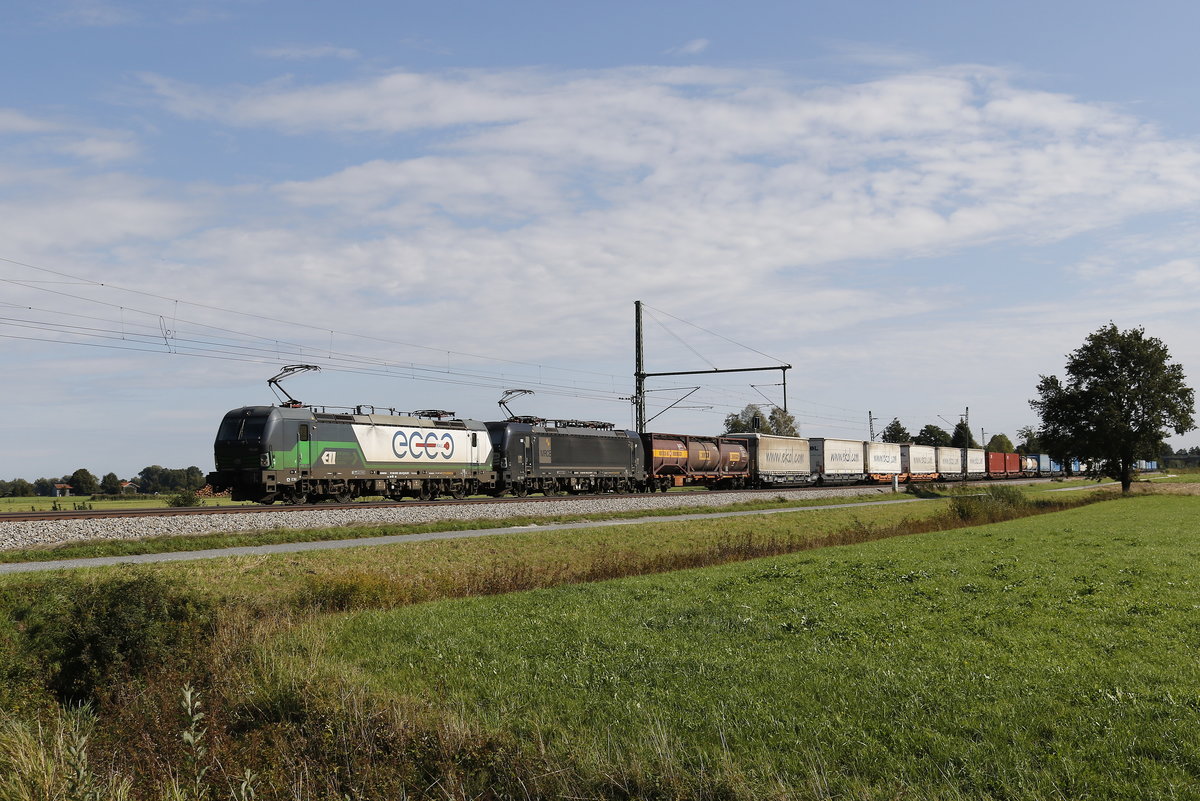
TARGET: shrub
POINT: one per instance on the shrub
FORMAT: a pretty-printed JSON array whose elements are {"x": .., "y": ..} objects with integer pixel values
[
  {"x": 84, "y": 636},
  {"x": 994, "y": 504},
  {"x": 185, "y": 497}
]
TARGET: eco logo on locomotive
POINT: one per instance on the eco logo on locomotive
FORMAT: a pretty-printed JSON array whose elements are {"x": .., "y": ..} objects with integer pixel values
[{"x": 419, "y": 444}]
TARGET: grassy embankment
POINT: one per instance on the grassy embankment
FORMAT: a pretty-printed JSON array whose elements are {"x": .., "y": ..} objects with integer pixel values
[
  {"x": 949, "y": 664},
  {"x": 197, "y": 542}
]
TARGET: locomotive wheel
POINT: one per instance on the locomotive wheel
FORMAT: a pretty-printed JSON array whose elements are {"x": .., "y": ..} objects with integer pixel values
[{"x": 519, "y": 490}]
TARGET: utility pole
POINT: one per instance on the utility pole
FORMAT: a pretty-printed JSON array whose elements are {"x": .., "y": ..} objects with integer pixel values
[
  {"x": 871, "y": 418},
  {"x": 640, "y": 375}
]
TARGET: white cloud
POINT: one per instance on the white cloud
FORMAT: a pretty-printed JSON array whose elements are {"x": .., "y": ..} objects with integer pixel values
[
  {"x": 13, "y": 121},
  {"x": 308, "y": 52},
  {"x": 99, "y": 149},
  {"x": 520, "y": 212},
  {"x": 690, "y": 48},
  {"x": 1180, "y": 276},
  {"x": 95, "y": 14}
]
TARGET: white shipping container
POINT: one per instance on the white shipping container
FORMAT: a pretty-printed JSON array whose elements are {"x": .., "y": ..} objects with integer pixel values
[
  {"x": 882, "y": 458},
  {"x": 778, "y": 460},
  {"x": 918, "y": 459},
  {"x": 949, "y": 461},
  {"x": 976, "y": 461},
  {"x": 836, "y": 457}
]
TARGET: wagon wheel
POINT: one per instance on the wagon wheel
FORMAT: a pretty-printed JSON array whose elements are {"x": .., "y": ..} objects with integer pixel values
[
  {"x": 458, "y": 491},
  {"x": 520, "y": 490},
  {"x": 425, "y": 493},
  {"x": 342, "y": 497}
]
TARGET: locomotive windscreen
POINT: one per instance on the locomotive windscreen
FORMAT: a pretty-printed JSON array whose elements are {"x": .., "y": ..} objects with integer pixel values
[{"x": 241, "y": 428}]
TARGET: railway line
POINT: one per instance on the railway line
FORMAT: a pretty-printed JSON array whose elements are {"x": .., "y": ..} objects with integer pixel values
[{"x": 186, "y": 511}]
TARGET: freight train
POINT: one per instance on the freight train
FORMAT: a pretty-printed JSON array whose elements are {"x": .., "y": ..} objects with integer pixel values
[{"x": 301, "y": 454}]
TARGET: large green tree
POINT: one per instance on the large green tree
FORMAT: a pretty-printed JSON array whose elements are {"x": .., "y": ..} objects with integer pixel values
[
  {"x": 110, "y": 484},
  {"x": 1120, "y": 398},
  {"x": 777, "y": 421},
  {"x": 1000, "y": 443},
  {"x": 961, "y": 438},
  {"x": 895, "y": 432},
  {"x": 83, "y": 482},
  {"x": 932, "y": 435}
]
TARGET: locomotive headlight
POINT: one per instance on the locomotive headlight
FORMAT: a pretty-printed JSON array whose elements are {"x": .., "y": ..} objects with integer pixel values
[{"x": 265, "y": 459}]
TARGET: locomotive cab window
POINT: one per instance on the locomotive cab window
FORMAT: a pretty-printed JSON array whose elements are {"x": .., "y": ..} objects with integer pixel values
[
  {"x": 304, "y": 432},
  {"x": 241, "y": 428}
]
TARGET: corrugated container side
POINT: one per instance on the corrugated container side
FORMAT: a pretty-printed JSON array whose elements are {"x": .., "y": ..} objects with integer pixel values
[
  {"x": 975, "y": 461},
  {"x": 1045, "y": 463},
  {"x": 995, "y": 462}
]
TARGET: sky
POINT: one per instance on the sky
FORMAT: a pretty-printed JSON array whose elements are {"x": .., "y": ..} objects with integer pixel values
[{"x": 920, "y": 207}]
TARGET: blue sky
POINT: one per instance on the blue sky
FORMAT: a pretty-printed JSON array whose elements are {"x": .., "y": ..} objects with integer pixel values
[{"x": 920, "y": 206}]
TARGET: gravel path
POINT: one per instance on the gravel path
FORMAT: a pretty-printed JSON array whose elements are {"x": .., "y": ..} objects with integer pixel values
[{"x": 31, "y": 534}]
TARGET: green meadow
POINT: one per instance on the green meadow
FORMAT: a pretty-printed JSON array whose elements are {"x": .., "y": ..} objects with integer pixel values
[
  {"x": 940, "y": 649},
  {"x": 1051, "y": 657}
]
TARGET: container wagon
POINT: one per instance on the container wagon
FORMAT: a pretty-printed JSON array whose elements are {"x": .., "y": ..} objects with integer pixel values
[
  {"x": 837, "y": 461},
  {"x": 950, "y": 463},
  {"x": 777, "y": 461},
  {"x": 677, "y": 460},
  {"x": 918, "y": 462},
  {"x": 882, "y": 461}
]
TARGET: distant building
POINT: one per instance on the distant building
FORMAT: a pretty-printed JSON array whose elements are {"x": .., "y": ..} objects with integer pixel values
[
  {"x": 128, "y": 487},
  {"x": 62, "y": 490}
]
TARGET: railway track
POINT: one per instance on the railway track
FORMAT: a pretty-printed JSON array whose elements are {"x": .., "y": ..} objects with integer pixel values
[{"x": 188, "y": 511}]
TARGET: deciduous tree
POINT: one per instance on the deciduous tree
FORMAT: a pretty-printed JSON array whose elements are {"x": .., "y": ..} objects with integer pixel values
[
  {"x": 895, "y": 432},
  {"x": 1120, "y": 399},
  {"x": 110, "y": 484},
  {"x": 1000, "y": 443},
  {"x": 932, "y": 435},
  {"x": 83, "y": 482}
]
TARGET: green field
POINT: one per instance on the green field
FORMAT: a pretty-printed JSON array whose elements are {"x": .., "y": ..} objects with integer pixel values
[
  {"x": 1042, "y": 658},
  {"x": 1052, "y": 656}
]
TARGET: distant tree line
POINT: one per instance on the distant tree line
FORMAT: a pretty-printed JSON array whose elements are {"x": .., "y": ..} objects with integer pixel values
[{"x": 152, "y": 479}]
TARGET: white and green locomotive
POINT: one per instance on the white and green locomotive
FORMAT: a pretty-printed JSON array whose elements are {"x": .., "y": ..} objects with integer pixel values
[{"x": 297, "y": 454}]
